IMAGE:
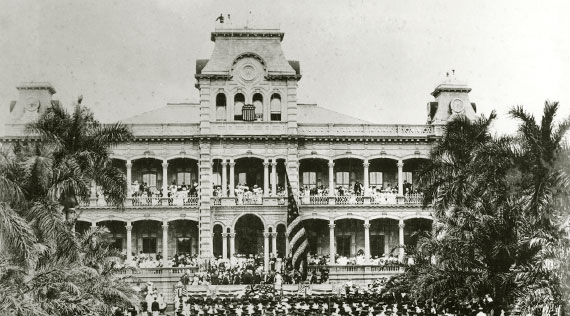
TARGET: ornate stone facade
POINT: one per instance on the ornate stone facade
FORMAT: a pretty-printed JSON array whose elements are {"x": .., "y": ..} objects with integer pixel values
[{"x": 216, "y": 145}]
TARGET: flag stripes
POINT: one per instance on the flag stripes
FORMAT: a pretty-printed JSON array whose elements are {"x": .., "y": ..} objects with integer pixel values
[{"x": 298, "y": 242}]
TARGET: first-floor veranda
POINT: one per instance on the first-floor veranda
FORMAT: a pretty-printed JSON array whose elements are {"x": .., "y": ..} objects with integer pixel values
[{"x": 340, "y": 239}]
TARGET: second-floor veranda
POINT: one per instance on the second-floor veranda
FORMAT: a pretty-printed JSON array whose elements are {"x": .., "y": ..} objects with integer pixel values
[{"x": 347, "y": 180}]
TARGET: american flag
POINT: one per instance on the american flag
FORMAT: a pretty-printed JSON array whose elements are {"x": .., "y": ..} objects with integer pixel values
[
  {"x": 298, "y": 242},
  {"x": 248, "y": 112}
]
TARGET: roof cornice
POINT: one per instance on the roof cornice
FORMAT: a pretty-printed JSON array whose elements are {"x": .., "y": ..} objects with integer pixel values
[{"x": 244, "y": 33}]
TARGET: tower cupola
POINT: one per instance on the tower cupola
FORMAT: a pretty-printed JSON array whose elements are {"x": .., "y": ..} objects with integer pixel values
[{"x": 451, "y": 99}]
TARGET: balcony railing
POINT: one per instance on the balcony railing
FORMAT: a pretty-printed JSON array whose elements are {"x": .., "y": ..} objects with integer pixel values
[
  {"x": 380, "y": 199},
  {"x": 369, "y": 130},
  {"x": 193, "y": 201},
  {"x": 143, "y": 201},
  {"x": 384, "y": 198},
  {"x": 249, "y": 200}
]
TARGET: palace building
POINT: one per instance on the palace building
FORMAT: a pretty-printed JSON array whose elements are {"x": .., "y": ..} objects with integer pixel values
[{"x": 209, "y": 178}]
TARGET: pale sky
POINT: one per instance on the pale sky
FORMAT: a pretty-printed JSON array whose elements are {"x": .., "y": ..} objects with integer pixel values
[{"x": 375, "y": 60}]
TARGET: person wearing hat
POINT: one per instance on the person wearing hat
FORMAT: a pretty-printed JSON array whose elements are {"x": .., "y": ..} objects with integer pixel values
[{"x": 155, "y": 307}]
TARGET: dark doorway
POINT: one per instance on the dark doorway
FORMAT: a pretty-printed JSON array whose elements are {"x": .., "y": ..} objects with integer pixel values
[{"x": 249, "y": 235}]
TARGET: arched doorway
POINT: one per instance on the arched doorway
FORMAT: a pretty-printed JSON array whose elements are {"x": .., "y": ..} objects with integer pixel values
[
  {"x": 82, "y": 226},
  {"x": 318, "y": 236},
  {"x": 249, "y": 172},
  {"x": 414, "y": 229},
  {"x": 147, "y": 238},
  {"x": 218, "y": 240},
  {"x": 384, "y": 238},
  {"x": 349, "y": 235},
  {"x": 183, "y": 235},
  {"x": 348, "y": 172},
  {"x": 116, "y": 237},
  {"x": 249, "y": 235},
  {"x": 314, "y": 176}
]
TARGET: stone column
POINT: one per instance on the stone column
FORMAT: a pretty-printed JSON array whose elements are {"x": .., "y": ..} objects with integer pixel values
[
  {"x": 224, "y": 245},
  {"x": 287, "y": 245},
  {"x": 212, "y": 235},
  {"x": 232, "y": 244},
  {"x": 266, "y": 178},
  {"x": 224, "y": 178},
  {"x": 274, "y": 244},
  {"x": 401, "y": 226},
  {"x": 366, "y": 181},
  {"x": 332, "y": 251},
  {"x": 164, "y": 243},
  {"x": 164, "y": 177},
  {"x": 129, "y": 177},
  {"x": 274, "y": 177},
  {"x": 331, "y": 178},
  {"x": 366, "y": 241},
  {"x": 266, "y": 250},
  {"x": 129, "y": 242},
  {"x": 232, "y": 177},
  {"x": 400, "y": 178}
]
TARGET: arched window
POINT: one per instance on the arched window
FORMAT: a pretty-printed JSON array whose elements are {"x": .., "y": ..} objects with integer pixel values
[
  {"x": 221, "y": 107},
  {"x": 239, "y": 101},
  {"x": 258, "y": 103},
  {"x": 275, "y": 107}
]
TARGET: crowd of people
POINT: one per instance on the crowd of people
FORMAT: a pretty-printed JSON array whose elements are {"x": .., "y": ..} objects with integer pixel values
[
  {"x": 350, "y": 300},
  {"x": 247, "y": 194},
  {"x": 181, "y": 194},
  {"x": 155, "y": 261},
  {"x": 238, "y": 262},
  {"x": 153, "y": 303},
  {"x": 250, "y": 270},
  {"x": 356, "y": 190},
  {"x": 372, "y": 300},
  {"x": 346, "y": 300},
  {"x": 143, "y": 194}
]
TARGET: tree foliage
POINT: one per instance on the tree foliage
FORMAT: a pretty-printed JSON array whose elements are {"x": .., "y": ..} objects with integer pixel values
[
  {"x": 501, "y": 214},
  {"x": 45, "y": 267}
]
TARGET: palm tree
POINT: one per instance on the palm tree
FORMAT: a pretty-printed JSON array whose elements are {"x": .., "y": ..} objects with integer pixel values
[
  {"x": 500, "y": 205},
  {"x": 80, "y": 155},
  {"x": 465, "y": 185},
  {"x": 544, "y": 202},
  {"x": 45, "y": 268}
]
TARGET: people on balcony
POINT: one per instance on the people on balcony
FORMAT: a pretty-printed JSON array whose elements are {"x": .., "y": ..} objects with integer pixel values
[{"x": 175, "y": 195}]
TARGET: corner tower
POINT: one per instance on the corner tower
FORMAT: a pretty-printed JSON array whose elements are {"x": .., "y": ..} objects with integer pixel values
[
  {"x": 34, "y": 98},
  {"x": 451, "y": 99}
]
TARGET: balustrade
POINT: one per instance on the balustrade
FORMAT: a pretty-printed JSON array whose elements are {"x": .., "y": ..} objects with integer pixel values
[
  {"x": 193, "y": 201},
  {"x": 377, "y": 199},
  {"x": 369, "y": 130},
  {"x": 161, "y": 270},
  {"x": 358, "y": 268},
  {"x": 217, "y": 200}
]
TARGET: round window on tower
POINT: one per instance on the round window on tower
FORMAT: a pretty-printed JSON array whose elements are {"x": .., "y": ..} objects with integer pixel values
[
  {"x": 32, "y": 104},
  {"x": 457, "y": 106}
]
